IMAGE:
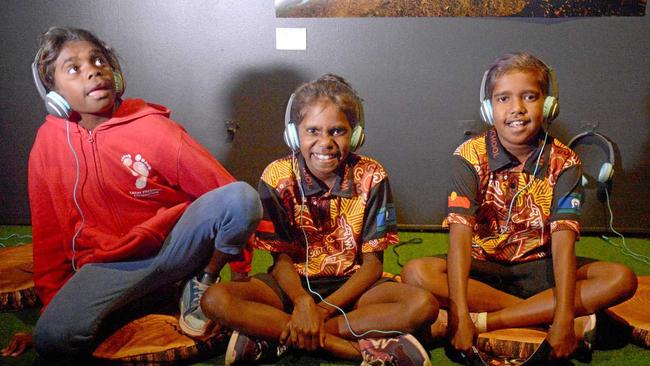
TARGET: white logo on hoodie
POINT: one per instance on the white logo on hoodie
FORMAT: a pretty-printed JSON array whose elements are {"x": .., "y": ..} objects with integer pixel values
[{"x": 140, "y": 169}]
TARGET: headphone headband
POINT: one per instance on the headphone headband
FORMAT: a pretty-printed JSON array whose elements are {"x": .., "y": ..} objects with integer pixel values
[
  {"x": 37, "y": 78},
  {"x": 606, "y": 171},
  {"x": 608, "y": 144}
]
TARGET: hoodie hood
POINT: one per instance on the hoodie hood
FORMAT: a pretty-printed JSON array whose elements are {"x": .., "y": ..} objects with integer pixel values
[{"x": 129, "y": 110}]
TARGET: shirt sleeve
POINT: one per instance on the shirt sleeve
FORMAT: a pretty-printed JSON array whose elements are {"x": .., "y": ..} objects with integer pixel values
[
  {"x": 462, "y": 201},
  {"x": 567, "y": 200},
  {"x": 274, "y": 231},
  {"x": 51, "y": 266},
  {"x": 379, "y": 222}
]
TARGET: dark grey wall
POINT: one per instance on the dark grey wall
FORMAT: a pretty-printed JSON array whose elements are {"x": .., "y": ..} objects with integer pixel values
[{"x": 212, "y": 61}]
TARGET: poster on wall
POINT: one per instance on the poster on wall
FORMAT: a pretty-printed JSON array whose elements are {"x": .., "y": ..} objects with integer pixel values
[{"x": 458, "y": 8}]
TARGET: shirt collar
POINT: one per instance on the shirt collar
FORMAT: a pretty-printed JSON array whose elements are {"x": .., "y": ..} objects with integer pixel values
[
  {"x": 499, "y": 158},
  {"x": 343, "y": 186}
]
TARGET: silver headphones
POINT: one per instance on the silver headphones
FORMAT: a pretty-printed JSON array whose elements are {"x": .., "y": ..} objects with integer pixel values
[{"x": 291, "y": 130}]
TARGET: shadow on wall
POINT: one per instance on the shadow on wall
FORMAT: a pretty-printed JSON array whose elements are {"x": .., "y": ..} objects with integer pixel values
[
  {"x": 636, "y": 194},
  {"x": 594, "y": 153},
  {"x": 258, "y": 99}
]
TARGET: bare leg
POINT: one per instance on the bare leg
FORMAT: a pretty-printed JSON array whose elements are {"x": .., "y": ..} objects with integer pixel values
[
  {"x": 431, "y": 274},
  {"x": 599, "y": 285},
  {"x": 250, "y": 306},
  {"x": 388, "y": 306},
  {"x": 255, "y": 309}
]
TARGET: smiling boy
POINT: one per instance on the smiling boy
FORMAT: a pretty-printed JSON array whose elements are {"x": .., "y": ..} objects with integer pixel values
[{"x": 513, "y": 212}]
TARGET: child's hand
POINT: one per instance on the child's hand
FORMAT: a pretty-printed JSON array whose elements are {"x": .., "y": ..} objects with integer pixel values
[
  {"x": 463, "y": 334},
  {"x": 18, "y": 344},
  {"x": 562, "y": 340},
  {"x": 306, "y": 329}
]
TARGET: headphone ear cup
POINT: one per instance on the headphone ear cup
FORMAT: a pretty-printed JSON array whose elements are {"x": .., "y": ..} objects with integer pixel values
[
  {"x": 358, "y": 138},
  {"x": 57, "y": 105},
  {"x": 551, "y": 108},
  {"x": 606, "y": 172},
  {"x": 486, "y": 112},
  {"x": 291, "y": 136},
  {"x": 118, "y": 83}
]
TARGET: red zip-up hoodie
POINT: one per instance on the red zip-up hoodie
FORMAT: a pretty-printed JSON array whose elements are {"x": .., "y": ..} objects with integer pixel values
[{"x": 137, "y": 173}]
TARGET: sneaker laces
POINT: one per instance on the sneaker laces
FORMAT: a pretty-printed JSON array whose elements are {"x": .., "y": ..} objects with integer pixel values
[
  {"x": 198, "y": 288},
  {"x": 265, "y": 349},
  {"x": 372, "y": 360}
]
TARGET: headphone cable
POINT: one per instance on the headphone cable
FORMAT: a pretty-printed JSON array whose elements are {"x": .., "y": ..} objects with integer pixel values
[
  {"x": 504, "y": 228},
  {"x": 625, "y": 250},
  {"x": 74, "y": 197},
  {"x": 17, "y": 236}
]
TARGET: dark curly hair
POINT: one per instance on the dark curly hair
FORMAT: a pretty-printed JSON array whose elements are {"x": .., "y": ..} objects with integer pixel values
[{"x": 332, "y": 87}]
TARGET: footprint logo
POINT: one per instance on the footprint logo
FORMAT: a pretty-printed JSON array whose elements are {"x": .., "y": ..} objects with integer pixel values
[{"x": 138, "y": 167}]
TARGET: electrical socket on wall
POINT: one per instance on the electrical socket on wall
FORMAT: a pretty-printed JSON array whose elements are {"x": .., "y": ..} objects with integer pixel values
[{"x": 470, "y": 127}]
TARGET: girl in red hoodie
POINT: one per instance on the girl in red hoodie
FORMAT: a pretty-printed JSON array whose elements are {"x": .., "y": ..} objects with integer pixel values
[{"x": 123, "y": 201}]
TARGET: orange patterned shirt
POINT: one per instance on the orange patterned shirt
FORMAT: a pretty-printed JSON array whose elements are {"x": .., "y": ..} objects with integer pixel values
[
  {"x": 486, "y": 179},
  {"x": 356, "y": 216}
]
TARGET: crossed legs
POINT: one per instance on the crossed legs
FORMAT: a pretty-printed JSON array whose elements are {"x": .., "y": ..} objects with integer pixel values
[
  {"x": 253, "y": 308},
  {"x": 599, "y": 285}
]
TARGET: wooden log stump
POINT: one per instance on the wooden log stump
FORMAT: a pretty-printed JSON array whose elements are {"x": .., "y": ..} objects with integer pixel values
[
  {"x": 156, "y": 339},
  {"x": 16, "y": 282},
  {"x": 511, "y": 343},
  {"x": 635, "y": 313}
]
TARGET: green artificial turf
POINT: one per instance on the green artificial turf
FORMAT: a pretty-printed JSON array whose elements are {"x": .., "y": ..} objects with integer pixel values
[{"x": 414, "y": 244}]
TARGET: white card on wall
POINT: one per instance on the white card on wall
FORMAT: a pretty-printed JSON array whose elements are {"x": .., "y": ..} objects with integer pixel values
[{"x": 291, "y": 39}]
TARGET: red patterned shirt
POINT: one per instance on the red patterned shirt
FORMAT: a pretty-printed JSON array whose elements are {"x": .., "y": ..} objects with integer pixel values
[
  {"x": 356, "y": 216},
  {"x": 486, "y": 179}
]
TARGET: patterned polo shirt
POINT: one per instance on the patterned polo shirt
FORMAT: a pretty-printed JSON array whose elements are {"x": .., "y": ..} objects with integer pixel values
[
  {"x": 486, "y": 178},
  {"x": 356, "y": 216}
]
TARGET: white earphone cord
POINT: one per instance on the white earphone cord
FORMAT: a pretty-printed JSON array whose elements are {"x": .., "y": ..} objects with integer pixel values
[
  {"x": 504, "y": 228},
  {"x": 17, "y": 236},
  {"x": 345, "y": 316},
  {"x": 625, "y": 250},
  {"x": 74, "y": 197}
]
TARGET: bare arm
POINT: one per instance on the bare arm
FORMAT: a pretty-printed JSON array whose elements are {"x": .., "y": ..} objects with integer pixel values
[
  {"x": 458, "y": 264},
  {"x": 561, "y": 335},
  {"x": 369, "y": 272},
  {"x": 306, "y": 329}
]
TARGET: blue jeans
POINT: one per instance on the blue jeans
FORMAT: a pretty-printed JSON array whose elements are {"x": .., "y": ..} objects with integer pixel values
[{"x": 223, "y": 218}]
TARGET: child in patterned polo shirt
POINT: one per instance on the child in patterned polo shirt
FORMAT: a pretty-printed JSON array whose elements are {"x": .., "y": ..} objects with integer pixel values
[
  {"x": 328, "y": 217},
  {"x": 513, "y": 212}
]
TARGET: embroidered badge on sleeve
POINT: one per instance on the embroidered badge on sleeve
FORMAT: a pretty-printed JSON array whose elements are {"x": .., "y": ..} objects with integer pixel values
[
  {"x": 385, "y": 218},
  {"x": 570, "y": 204},
  {"x": 454, "y": 200}
]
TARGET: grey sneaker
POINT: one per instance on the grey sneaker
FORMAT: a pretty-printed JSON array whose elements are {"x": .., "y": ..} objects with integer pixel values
[
  {"x": 244, "y": 350},
  {"x": 192, "y": 320}
]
